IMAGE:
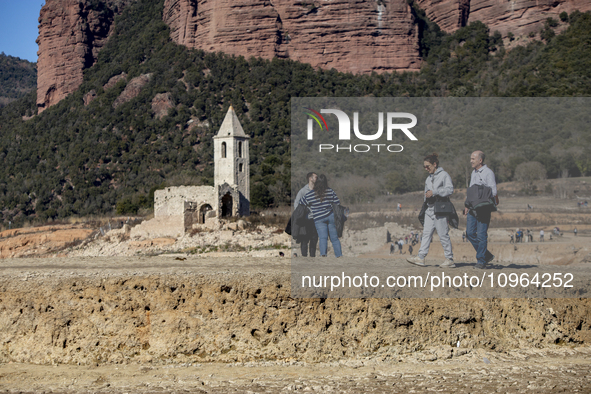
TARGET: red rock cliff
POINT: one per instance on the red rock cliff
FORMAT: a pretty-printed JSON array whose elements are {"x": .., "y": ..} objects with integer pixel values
[
  {"x": 349, "y": 35},
  {"x": 519, "y": 17},
  {"x": 358, "y": 36},
  {"x": 71, "y": 33}
]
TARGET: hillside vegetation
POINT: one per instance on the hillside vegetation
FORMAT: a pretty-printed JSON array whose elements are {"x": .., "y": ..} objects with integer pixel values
[
  {"x": 18, "y": 77},
  {"x": 77, "y": 160}
]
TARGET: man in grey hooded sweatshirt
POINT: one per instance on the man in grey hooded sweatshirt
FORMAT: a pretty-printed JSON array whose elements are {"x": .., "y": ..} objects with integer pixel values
[{"x": 437, "y": 185}]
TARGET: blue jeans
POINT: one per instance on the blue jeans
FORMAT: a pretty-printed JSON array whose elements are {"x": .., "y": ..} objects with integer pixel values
[
  {"x": 325, "y": 228},
  {"x": 477, "y": 234}
]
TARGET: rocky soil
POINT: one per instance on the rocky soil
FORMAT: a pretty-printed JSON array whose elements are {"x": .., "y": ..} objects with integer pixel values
[
  {"x": 88, "y": 239},
  {"x": 170, "y": 309},
  {"x": 41, "y": 241},
  {"x": 148, "y": 324}
]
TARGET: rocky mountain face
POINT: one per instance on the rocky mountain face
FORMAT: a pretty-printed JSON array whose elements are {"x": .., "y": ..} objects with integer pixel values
[
  {"x": 350, "y": 36},
  {"x": 519, "y": 17},
  {"x": 71, "y": 33}
]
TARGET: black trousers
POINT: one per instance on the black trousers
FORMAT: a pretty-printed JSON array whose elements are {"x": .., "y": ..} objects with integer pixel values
[{"x": 309, "y": 242}]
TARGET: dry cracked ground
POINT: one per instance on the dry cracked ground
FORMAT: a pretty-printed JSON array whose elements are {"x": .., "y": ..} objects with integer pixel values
[{"x": 222, "y": 325}]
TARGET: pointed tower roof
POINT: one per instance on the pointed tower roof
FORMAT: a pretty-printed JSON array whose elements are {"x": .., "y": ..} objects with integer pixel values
[{"x": 231, "y": 126}]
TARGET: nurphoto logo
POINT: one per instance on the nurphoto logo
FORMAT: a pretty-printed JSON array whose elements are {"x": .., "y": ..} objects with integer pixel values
[{"x": 392, "y": 124}]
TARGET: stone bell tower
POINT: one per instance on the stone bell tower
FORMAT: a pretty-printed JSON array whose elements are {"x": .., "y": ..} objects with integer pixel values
[{"x": 232, "y": 172}]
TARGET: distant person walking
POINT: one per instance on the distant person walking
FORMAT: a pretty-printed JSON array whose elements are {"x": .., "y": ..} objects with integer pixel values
[
  {"x": 438, "y": 187},
  {"x": 575, "y": 231},
  {"x": 319, "y": 201},
  {"x": 542, "y": 235},
  {"x": 478, "y": 212}
]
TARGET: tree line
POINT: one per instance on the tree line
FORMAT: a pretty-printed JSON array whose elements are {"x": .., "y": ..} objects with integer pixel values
[{"x": 79, "y": 160}]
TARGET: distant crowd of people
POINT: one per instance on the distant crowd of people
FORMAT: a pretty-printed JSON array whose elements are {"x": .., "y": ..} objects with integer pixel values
[
  {"x": 520, "y": 236},
  {"x": 411, "y": 240}
]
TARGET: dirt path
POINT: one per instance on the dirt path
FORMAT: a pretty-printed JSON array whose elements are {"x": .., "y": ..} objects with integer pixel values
[{"x": 524, "y": 371}]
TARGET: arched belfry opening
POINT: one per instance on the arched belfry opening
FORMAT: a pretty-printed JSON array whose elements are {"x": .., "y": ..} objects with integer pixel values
[{"x": 224, "y": 148}]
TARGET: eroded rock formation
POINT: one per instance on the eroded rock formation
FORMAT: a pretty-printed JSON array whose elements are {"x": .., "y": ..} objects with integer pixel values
[
  {"x": 40, "y": 241},
  {"x": 71, "y": 33},
  {"x": 132, "y": 89},
  {"x": 358, "y": 37},
  {"x": 89, "y": 97},
  {"x": 350, "y": 36},
  {"x": 161, "y": 104},
  {"x": 114, "y": 80},
  {"x": 519, "y": 17},
  {"x": 161, "y": 310}
]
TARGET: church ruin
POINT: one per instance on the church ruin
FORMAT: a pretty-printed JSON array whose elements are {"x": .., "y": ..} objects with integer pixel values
[{"x": 177, "y": 209}]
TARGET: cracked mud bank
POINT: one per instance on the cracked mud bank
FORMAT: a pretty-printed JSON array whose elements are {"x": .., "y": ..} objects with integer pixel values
[{"x": 171, "y": 310}]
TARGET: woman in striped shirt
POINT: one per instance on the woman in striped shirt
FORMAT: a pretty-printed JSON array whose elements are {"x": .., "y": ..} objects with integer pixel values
[{"x": 319, "y": 202}]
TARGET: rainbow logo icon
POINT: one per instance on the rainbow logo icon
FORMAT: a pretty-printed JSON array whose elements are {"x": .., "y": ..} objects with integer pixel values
[{"x": 315, "y": 115}]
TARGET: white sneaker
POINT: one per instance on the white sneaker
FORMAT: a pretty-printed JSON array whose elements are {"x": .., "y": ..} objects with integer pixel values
[
  {"x": 416, "y": 260},
  {"x": 448, "y": 264}
]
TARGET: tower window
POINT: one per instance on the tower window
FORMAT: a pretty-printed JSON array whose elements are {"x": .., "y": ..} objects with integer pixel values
[
  {"x": 223, "y": 150},
  {"x": 239, "y": 148},
  {"x": 240, "y": 167}
]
